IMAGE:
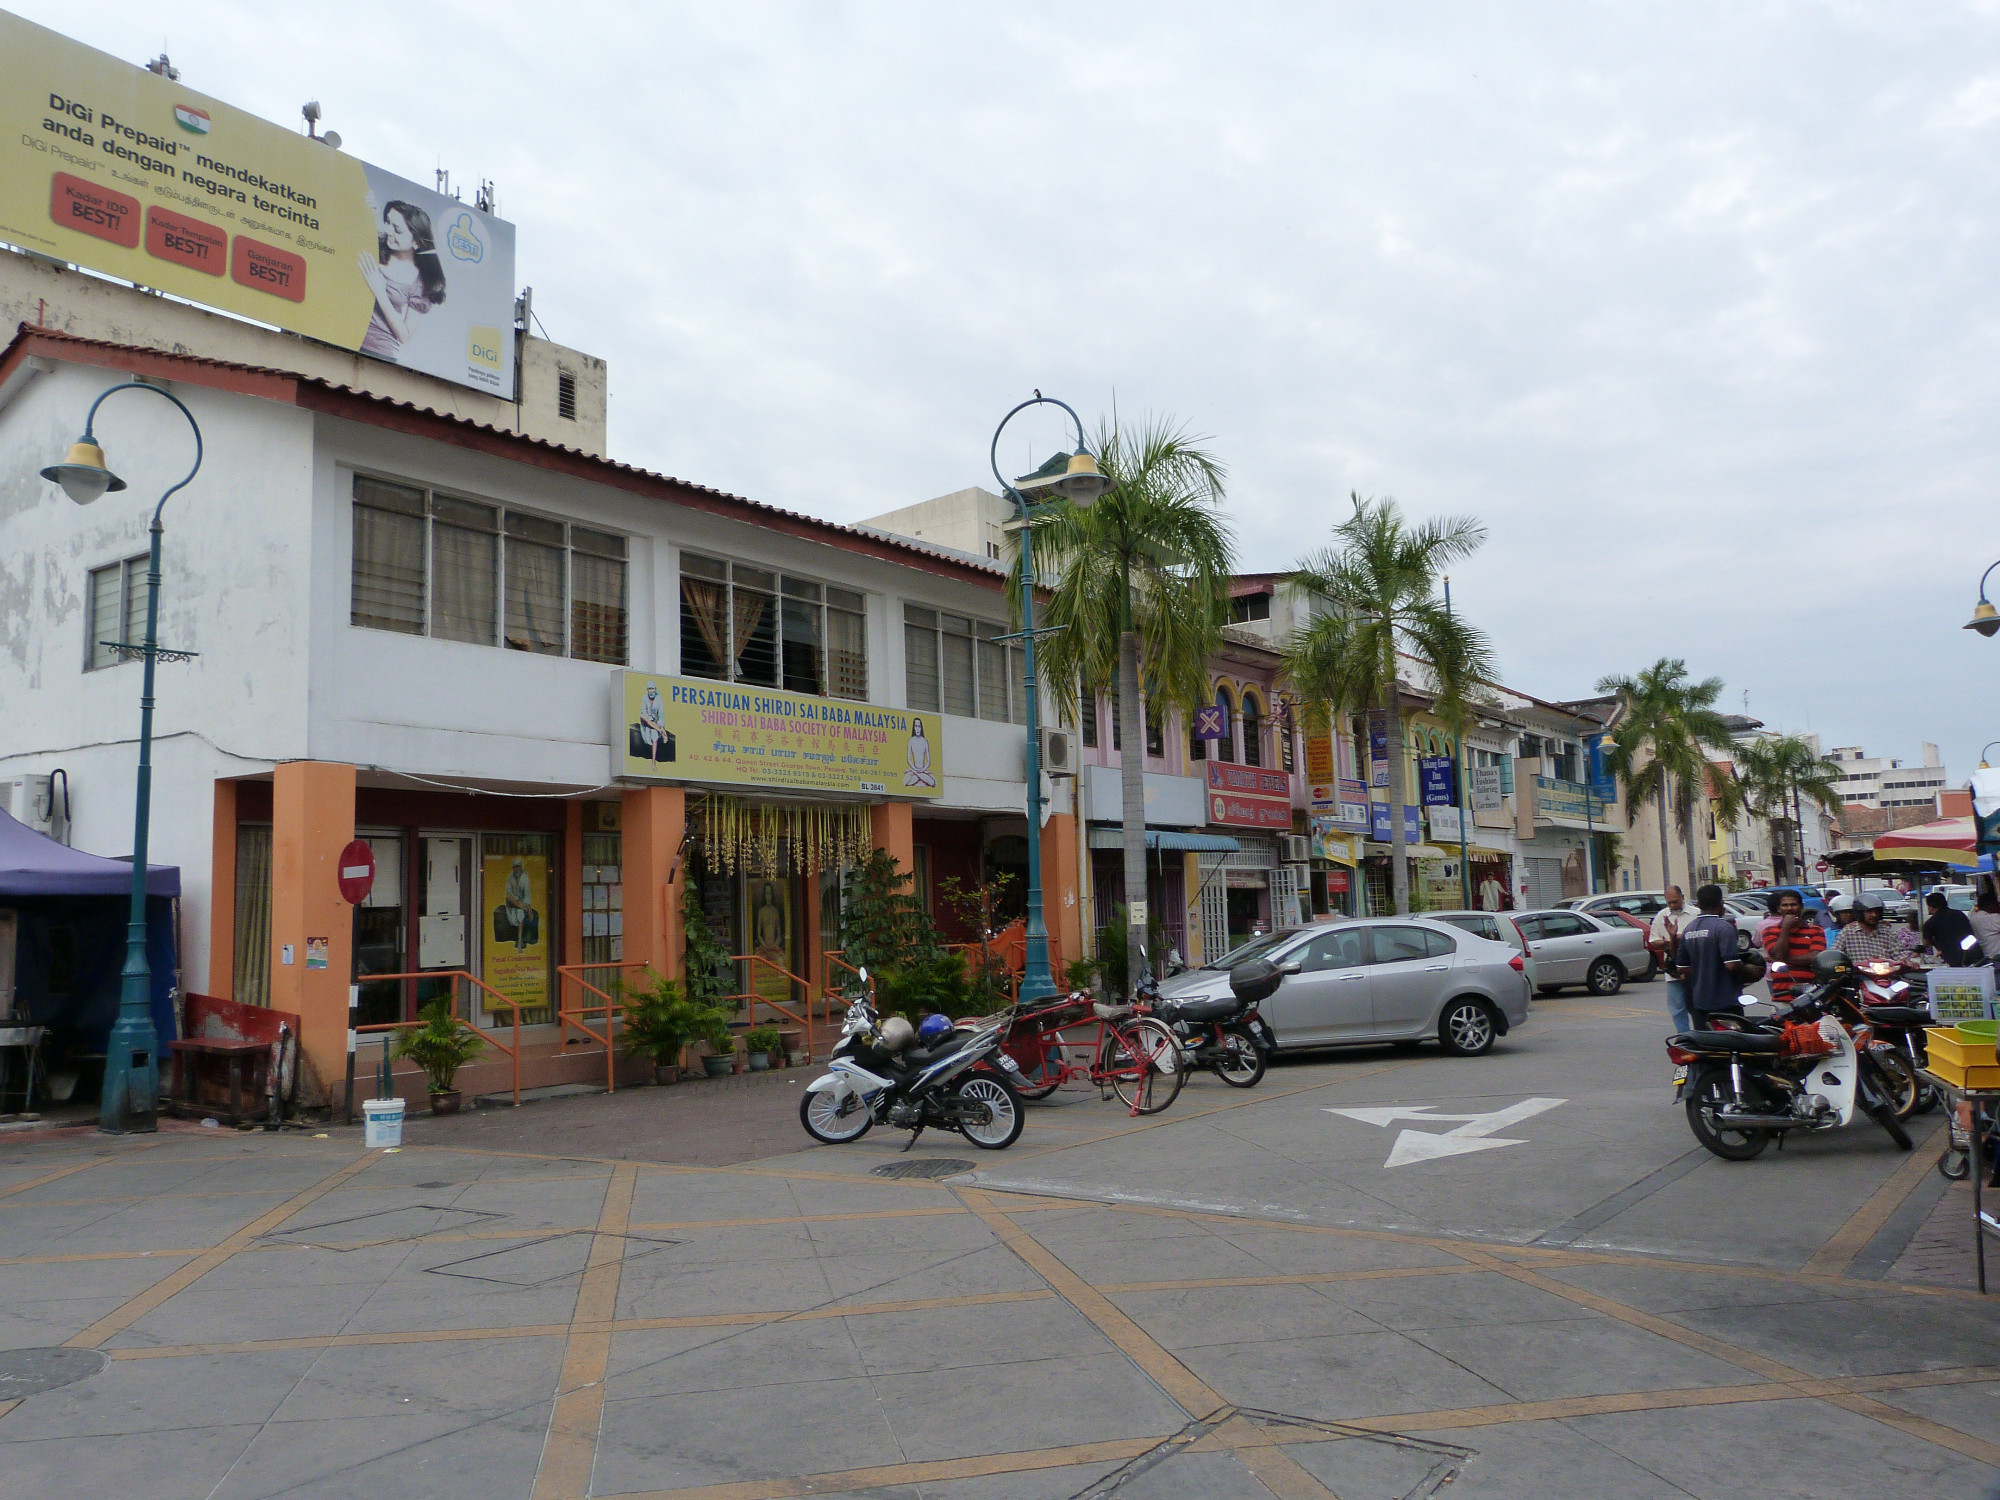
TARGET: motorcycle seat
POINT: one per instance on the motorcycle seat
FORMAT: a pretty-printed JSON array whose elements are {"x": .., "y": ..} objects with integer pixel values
[
  {"x": 1727, "y": 1041},
  {"x": 1198, "y": 1011},
  {"x": 1110, "y": 1012},
  {"x": 1898, "y": 1015}
]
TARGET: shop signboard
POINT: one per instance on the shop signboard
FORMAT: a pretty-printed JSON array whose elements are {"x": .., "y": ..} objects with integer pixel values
[
  {"x": 1247, "y": 797},
  {"x": 686, "y": 729},
  {"x": 1434, "y": 775},
  {"x": 126, "y": 172},
  {"x": 1353, "y": 805},
  {"x": 1565, "y": 801},
  {"x": 1321, "y": 783},
  {"x": 1444, "y": 823},
  {"x": 514, "y": 933},
  {"x": 1209, "y": 722},
  {"x": 1486, "y": 796},
  {"x": 1378, "y": 828}
]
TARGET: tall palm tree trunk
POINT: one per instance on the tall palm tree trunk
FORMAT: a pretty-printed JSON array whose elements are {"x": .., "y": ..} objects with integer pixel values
[
  {"x": 1399, "y": 869},
  {"x": 1666, "y": 872},
  {"x": 1132, "y": 787},
  {"x": 1799, "y": 822}
]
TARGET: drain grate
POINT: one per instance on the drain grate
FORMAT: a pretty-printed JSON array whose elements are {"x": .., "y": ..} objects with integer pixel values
[
  {"x": 939, "y": 1167},
  {"x": 26, "y": 1372}
]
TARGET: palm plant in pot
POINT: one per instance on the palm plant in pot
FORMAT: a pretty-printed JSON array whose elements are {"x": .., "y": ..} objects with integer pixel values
[
  {"x": 761, "y": 1043},
  {"x": 721, "y": 1059},
  {"x": 660, "y": 1022},
  {"x": 440, "y": 1046}
]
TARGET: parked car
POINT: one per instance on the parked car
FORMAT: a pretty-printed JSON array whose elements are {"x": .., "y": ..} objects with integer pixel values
[
  {"x": 1495, "y": 926},
  {"x": 1378, "y": 979},
  {"x": 1750, "y": 918},
  {"x": 1574, "y": 947},
  {"x": 1767, "y": 896},
  {"x": 1642, "y": 904}
]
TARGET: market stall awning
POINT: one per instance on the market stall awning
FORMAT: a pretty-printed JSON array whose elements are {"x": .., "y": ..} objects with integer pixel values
[
  {"x": 34, "y": 865},
  {"x": 1948, "y": 841},
  {"x": 1168, "y": 840}
]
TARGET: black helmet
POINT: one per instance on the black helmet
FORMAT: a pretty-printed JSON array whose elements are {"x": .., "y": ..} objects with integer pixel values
[
  {"x": 1868, "y": 900},
  {"x": 1832, "y": 964}
]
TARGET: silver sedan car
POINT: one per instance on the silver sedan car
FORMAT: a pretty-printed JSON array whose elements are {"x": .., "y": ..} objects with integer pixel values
[
  {"x": 1574, "y": 947},
  {"x": 1378, "y": 979}
]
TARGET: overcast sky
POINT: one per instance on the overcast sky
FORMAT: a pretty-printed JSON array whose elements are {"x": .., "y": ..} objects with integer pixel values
[{"x": 1691, "y": 304}]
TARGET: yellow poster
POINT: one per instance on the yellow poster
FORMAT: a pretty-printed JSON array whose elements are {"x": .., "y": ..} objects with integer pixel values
[
  {"x": 770, "y": 906},
  {"x": 126, "y": 172},
  {"x": 684, "y": 729},
  {"x": 514, "y": 937}
]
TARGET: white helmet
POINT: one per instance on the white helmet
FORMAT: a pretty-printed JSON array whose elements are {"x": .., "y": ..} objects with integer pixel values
[
  {"x": 897, "y": 1033},
  {"x": 1840, "y": 903}
]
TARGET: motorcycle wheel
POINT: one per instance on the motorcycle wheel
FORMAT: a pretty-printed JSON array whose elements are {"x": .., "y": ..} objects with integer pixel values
[
  {"x": 1140, "y": 1081},
  {"x": 1730, "y": 1145},
  {"x": 820, "y": 1114},
  {"x": 1002, "y": 1099},
  {"x": 1242, "y": 1063},
  {"x": 1874, "y": 1091},
  {"x": 1901, "y": 1087}
]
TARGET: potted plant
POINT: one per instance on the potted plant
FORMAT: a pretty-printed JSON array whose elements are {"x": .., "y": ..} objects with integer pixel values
[
  {"x": 760, "y": 1043},
  {"x": 721, "y": 1059},
  {"x": 792, "y": 1042},
  {"x": 440, "y": 1046},
  {"x": 659, "y": 1023}
]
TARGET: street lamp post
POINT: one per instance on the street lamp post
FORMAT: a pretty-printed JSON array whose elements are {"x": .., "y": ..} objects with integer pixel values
[
  {"x": 130, "y": 1100},
  {"x": 1080, "y": 484}
]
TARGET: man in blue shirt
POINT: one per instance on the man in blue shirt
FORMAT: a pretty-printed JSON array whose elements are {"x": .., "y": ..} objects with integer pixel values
[{"x": 1706, "y": 961}]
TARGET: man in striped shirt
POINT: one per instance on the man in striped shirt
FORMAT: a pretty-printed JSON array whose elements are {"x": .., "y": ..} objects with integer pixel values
[{"x": 1794, "y": 940}]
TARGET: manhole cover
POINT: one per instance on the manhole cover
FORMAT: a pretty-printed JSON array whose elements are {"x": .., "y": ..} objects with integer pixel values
[
  {"x": 24, "y": 1372},
  {"x": 942, "y": 1167}
]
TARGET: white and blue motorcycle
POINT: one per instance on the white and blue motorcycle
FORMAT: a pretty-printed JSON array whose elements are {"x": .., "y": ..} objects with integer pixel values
[{"x": 884, "y": 1073}]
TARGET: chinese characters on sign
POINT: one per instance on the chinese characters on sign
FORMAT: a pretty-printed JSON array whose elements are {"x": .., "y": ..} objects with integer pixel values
[{"x": 1246, "y": 797}]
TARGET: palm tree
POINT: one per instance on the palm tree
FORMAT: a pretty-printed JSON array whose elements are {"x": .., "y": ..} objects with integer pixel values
[
  {"x": 1675, "y": 721},
  {"x": 1381, "y": 577},
  {"x": 1142, "y": 589},
  {"x": 1779, "y": 774}
]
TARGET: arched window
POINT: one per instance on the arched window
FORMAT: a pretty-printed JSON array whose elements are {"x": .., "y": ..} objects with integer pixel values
[
  {"x": 1253, "y": 731},
  {"x": 1225, "y": 748}
]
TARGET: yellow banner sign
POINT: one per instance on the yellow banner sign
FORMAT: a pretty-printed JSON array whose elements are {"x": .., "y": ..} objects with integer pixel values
[
  {"x": 684, "y": 729},
  {"x": 121, "y": 170}
]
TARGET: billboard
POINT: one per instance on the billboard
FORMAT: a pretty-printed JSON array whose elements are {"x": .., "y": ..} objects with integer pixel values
[
  {"x": 1245, "y": 797},
  {"x": 127, "y": 173},
  {"x": 686, "y": 729}
]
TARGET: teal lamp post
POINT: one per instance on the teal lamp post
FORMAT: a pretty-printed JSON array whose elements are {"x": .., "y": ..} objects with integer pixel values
[
  {"x": 131, "y": 1095},
  {"x": 1080, "y": 483}
]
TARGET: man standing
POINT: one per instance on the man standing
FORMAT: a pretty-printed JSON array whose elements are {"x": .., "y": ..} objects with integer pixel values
[
  {"x": 1947, "y": 931},
  {"x": 1669, "y": 922},
  {"x": 1794, "y": 940},
  {"x": 1707, "y": 962}
]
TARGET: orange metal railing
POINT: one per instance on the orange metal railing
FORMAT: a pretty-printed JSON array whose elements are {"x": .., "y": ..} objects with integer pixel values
[
  {"x": 751, "y": 999},
  {"x": 607, "y": 1005},
  {"x": 494, "y": 1001}
]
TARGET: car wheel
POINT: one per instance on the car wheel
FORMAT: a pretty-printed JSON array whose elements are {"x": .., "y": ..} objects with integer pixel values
[
  {"x": 1466, "y": 1028},
  {"x": 1606, "y": 977},
  {"x": 1742, "y": 941}
]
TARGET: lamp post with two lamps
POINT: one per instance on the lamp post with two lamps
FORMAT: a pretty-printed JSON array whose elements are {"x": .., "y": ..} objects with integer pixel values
[
  {"x": 1081, "y": 484},
  {"x": 130, "y": 1100}
]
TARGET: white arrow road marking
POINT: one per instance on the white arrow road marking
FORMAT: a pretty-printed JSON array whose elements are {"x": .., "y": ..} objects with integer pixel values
[{"x": 1477, "y": 1133}]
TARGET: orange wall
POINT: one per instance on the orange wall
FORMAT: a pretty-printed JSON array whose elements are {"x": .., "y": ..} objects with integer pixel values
[
  {"x": 653, "y": 819},
  {"x": 893, "y": 828},
  {"x": 1062, "y": 897},
  {"x": 312, "y": 820}
]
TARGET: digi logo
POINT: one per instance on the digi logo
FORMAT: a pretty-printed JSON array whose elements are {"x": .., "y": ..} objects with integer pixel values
[{"x": 484, "y": 347}]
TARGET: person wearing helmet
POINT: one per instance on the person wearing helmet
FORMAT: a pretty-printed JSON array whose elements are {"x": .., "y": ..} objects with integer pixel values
[
  {"x": 1841, "y": 908},
  {"x": 1869, "y": 938}
]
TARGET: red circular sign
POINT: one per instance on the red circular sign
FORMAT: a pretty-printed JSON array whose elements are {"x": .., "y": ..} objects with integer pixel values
[
  {"x": 357, "y": 872},
  {"x": 1822, "y": 867}
]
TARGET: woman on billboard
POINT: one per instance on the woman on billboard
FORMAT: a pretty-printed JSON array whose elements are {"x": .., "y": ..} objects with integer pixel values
[{"x": 406, "y": 276}]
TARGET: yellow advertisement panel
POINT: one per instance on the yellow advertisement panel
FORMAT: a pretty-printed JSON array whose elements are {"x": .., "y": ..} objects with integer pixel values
[
  {"x": 514, "y": 937},
  {"x": 684, "y": 729},
  {"x": 125, "y": 172}
]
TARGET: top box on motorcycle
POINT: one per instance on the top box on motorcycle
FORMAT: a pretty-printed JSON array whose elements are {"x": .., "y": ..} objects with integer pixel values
[{"x": 1255, "y": 982}]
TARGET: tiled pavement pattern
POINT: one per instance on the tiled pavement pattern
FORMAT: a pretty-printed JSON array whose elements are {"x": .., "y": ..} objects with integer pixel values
[{"x": 298, "y": 1317}]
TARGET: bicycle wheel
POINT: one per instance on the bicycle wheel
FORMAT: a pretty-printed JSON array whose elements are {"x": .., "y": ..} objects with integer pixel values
[
  {"x": 1041, "y": 1067},
  {"x": 1146, "y": 1069}
]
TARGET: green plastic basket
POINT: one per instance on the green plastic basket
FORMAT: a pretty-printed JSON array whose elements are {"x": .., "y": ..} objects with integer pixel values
[{"x": 1979, "y": 1031}]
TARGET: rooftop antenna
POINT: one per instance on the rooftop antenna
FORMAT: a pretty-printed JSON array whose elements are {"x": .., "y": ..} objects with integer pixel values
[
  {"x": 485, "y": 199},
  {"x": 310, "y": 109},
  {"x": 162, "y": 66}
]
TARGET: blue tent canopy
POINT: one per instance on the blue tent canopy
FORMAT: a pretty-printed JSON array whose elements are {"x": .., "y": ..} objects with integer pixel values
[{"x": 32, "y": 865}]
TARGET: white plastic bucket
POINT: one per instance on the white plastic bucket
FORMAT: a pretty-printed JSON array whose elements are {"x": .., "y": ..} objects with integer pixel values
[{"x": 382, "y": 1123}]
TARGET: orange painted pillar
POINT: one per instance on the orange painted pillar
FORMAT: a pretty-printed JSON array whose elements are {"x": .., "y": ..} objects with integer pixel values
[
  {"x": 312, "y": 928},
  {"x": 892, "y": 826},
  {"x": 570, "y": 949},
  {"x": 654, "y": 818},
  {"x": 221, "y": 978},
  {"x": 1062, "y": 893}
]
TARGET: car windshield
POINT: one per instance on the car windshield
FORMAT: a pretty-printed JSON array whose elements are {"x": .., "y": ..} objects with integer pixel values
[{"x": 1257, "y": 947}]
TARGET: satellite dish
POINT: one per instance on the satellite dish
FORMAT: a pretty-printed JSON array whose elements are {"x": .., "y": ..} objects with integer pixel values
[{"x": 332, "y": 138}]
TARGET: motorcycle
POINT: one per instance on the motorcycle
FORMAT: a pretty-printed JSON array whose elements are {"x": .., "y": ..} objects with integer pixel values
[
  {"x": 1800, "y": 1070},
  {"x": 1224, "y": 1035},
  {"x": 1885, "y": 1002},
  {"x": 964, "y": 1082}
]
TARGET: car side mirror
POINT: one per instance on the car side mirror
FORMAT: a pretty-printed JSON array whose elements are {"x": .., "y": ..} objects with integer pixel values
[{"x": 1294, "y": 967}]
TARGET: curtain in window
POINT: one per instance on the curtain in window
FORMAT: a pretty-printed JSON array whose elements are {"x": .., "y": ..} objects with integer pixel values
[
  {"x": 534, "y": 597},
  {"x": 846, "y": 654},
  {"x": 756, "y": 646},
  {"x": 253, "y": 916},
  {"x": 388, "y": 589},
  {"x": 597, "y": 612},
  {"x": 707, "y": 603},
  {"x": 464, "y": 565}
]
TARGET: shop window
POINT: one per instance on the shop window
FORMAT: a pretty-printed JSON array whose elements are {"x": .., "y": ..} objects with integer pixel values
[
  {"x": 116, "y": 612},
  {"x": 755, "y": 625},
  {"x": 465, "y": 570},
  {"x": 953, "y": 664},
  {"x": 1253, "y": 731},
  {"x": 1225, "y": 748},
  {"x": 603, "y": 901}
]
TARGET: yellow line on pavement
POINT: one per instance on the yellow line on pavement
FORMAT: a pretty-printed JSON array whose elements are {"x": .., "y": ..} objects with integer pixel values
[
  {"x": 569, "y": 1454},
  {"x": 80, "y": 1166},
  {"x": 1848, "y": 1241}
]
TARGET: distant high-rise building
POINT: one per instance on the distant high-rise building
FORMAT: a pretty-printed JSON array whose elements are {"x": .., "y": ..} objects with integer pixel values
[{"x": 1883, "y": 781}]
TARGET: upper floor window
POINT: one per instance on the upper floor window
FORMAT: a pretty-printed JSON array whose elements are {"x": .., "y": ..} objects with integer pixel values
[
  {"x": 741, "y": 623},
  {"x": 1088, "y": 711},
  {"x": 1225, "y": 748},
  {"x": 953, "y": 664},
  {"x": 116, "y": 611},
  {"x": 1253, "y": 731},
  {"x": 1246, "y": 607},
  {"x": 464, "y": 570}
]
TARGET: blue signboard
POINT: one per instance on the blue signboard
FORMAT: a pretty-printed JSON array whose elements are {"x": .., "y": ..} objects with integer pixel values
[
  {"x": 1603, "y": 785},
  {"x": 1379, "y": 823},
  {"x": 1208, "y": 723},
  {"x": 1434, "y": 771}
]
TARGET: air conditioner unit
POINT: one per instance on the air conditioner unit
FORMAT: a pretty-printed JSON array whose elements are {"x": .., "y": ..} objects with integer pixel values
[
  {"x": 1294, "y": 848},
  {"x": 27, "y": 799},
  {"x": 1058, "y": 752}
]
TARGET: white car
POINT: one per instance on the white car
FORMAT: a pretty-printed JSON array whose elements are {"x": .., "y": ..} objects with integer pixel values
[{"x": 1575, "y": 947}]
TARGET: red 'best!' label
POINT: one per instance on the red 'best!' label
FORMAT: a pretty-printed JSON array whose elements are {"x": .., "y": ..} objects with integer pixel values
[
  {"x": 90, "y": 209},
  {"x": 186, "y": 242},
  {"x": 268, "y": 269}
]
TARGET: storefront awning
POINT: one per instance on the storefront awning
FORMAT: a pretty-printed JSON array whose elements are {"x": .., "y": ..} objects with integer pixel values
[{"x": 1168, "y": 841}]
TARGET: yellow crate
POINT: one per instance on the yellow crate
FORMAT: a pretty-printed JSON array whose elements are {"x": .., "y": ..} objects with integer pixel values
[
  {"x": 1966, "y": 1076},
  {"x": 1946, "y": 1044}
]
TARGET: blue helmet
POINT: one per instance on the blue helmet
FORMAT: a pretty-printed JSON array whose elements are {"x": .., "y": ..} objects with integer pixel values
[{"x": 932, "y": 1029}]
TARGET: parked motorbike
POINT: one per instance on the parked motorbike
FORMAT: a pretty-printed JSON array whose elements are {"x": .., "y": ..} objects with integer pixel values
[
  {"x": 1799, "y": 1070},
  {"x": 1224, "y": 1035},
  {"x": 879, "y": 1075},
  {"x": 1885, "y": 1002}
]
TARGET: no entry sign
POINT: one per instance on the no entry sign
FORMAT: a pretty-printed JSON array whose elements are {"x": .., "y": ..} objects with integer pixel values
[
  {"x": 357, "y": 872},
  {"x": 1822, "y": 867}
]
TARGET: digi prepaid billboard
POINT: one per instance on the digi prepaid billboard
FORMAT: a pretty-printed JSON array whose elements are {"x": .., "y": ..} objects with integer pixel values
[{"x": 122, "y": 171}]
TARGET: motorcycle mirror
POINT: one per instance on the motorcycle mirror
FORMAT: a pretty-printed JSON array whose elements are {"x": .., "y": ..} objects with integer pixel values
[{"x": 863, "y": 972}]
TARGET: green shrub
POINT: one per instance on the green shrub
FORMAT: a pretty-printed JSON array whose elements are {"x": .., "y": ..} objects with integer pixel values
[
  {"x": 662, "y": 1021},
  {"x": 761, "y": 1039},
  {"x": 441, "y": 1046}
]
